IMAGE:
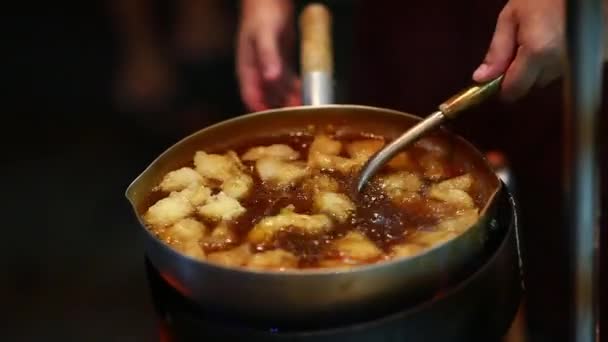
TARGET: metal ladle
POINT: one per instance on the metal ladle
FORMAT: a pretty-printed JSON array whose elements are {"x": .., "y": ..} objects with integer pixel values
[{"x": 449, "y": 109}]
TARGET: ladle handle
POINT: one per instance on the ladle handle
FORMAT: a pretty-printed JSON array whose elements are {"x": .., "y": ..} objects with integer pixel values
[
  {"x": 316, "y": 55},
  {"x": 470, "y": 97}
]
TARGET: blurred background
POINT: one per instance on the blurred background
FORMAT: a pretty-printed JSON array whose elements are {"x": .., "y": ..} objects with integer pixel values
[{"x": 96, "y": 90}]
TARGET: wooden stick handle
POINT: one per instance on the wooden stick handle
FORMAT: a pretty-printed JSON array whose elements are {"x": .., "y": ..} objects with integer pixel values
[{"x": 316, "y": 47}]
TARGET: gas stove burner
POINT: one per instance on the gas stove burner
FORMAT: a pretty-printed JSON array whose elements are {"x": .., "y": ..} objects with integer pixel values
[{"x": 477, "y": 306}]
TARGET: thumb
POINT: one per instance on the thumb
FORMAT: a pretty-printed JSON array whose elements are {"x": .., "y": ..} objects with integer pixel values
[
  {"x": 501, "y": 51},
  {"x": 269, "y": 57}
]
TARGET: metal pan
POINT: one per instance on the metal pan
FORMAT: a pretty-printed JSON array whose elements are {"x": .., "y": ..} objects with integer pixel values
[{"x": 318, "y": 294}]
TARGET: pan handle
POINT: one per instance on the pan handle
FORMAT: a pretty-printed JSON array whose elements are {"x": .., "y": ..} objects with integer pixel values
[{"x": 316, "y": 55}]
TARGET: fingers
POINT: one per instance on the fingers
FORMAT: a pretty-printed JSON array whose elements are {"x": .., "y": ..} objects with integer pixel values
[
  {"x": 548, "y": 75},
  {"x": 248, "y": 75},
  {"x": 265, "y": 79},
  {"x": 268, "y": 54},
  {"x": 251, "y": 92},
  {"x": 502, "y": 48},
  {"x": 260, "y": 94},
  {"x": 529, "y": 69},
  {"x": 525, "y": 48},
  {"x": 283, "y": 92},
  {"x": 552, "y": 69},
  {"x": 521, "y": 75}
]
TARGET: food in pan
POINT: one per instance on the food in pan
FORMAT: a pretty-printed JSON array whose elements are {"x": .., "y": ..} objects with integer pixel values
[{"x": 288, "y": 202}]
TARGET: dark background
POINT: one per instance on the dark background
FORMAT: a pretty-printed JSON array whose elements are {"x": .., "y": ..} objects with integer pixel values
[{"x": 71, "y": 258}]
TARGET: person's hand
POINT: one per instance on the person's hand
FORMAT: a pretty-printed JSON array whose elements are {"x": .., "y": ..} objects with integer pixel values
[
  {"x": 528, "y": 46},
  {"x": 265, "y": 45}
]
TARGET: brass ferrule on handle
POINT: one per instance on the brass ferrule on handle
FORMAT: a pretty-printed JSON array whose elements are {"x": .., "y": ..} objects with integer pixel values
[
  {"x": 316, "y": 55},
  {"x": 470, "y": 97}
]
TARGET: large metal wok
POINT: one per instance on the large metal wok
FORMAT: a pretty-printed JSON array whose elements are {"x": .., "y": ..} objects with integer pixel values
[{"x": 325, "y": 294}]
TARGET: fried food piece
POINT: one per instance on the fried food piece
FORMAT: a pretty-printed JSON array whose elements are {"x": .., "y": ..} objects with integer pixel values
[
  {"x": 228, "y": 169},
  {"x": 236, "y": 160},
  {"x": 332, "y": 163},
  {"x": 432, "y": 162},
  {"x": 180, "y": 179},
  {"x": 460, "y": 223},
  {"x": 185, "y": 236},
  {"x": 362, "y": 150},
  {"x": 238, "y": 256},
  {"x": 463, "y": 183},
  {"x": 217, "y": 167},
  {"x": 406, "y": 250},
  {"x": 319, "y": 183},
  {"x": 192, "y": 250},
  {"x": 280, "y": 173},
  {"x": 354, "y": 247},
  {"x": 325, "y": 145},
  {"x": 434, "y": 145},
  {"x": 401, "y": 162},
  {"x": 168, "y": 210},
  {"x": 401, "y": 186},
  {"x": 446, "y": 229},
  {"x": 287, "y": 218},
  {"x": 402, "y": 180},
  {"x": 277, "y": 259},
  {"x": 276, "y": 151},
  {"x": 432, "y": 166},
  {"x": 196, "y": 194},
  {"x": 238, "y": 186},
  {"x": 456, "y": 197},
  {"x": 221, "y": 207},
  {"x": 184, "y": 231},
  {"x": 220, "y": 238},
  {"x": 324, "y": 153},
  {"x": 432, "y": 238},
  {"x": 336, "y": 205},
  {"x": 453, "y": 191}
]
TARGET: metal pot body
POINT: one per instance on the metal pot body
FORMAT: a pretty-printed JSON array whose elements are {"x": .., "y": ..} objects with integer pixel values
[{"x": 301, "y": 296}]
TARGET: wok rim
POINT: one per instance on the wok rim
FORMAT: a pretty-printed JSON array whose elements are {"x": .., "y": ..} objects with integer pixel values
[{"x": 331, "y": 271}]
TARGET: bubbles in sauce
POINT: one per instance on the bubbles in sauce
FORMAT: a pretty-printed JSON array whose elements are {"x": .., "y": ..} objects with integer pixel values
[{"x": 378, "y": 217}]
